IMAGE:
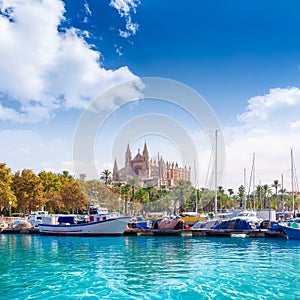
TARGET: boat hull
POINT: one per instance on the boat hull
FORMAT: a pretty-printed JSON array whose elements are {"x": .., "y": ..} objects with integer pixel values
[
  {"x": 291, "y": 233},
  {"x": 110, "y": 227}
]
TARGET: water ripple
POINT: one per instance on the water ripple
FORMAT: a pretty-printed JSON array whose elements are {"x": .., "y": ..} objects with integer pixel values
[{"x": 38, "y": 267}]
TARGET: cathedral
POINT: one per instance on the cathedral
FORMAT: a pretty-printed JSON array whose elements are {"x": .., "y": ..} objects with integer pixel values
[{"x": 152, "y": 171}]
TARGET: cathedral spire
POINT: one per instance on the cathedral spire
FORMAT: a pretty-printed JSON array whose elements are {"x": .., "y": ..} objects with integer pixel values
[
  {"x": 115, "y": 166},
  {"x": 145, "y": 151},
  {"x": 116, "y": 175},
  {"x": 128, "y": 156}
]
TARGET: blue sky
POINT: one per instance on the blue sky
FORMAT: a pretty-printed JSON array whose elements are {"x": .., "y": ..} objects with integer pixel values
[{"x": 243, "y": 57}]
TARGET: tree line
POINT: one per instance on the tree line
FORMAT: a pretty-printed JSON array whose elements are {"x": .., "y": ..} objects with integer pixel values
[
  {"x": 184, "y": 197},
  {"x": 24, "y": 191}
]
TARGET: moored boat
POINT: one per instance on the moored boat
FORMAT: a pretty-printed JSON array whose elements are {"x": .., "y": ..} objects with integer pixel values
[
  {"x": 291, "y": 233},
  {"x": 192, "y": 218},
  {"x": 109, "y": 227},
  {"x": 291, "y": 230},
  {"x": 95, "y": 225}
]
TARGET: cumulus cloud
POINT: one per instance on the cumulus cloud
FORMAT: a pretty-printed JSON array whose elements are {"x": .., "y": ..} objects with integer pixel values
[
  {"x": 44, "y": 69},
  {"x": 269, "y": 127},
  {"x": 275, "y": 107},
  {"x": 126, "y": 8}
]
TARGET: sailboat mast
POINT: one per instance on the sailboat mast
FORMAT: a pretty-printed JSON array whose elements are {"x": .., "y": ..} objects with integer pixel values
[
  {"x": 282, "y": 195},
  {"x": 216, "y": 174},
  {"x": 196, "y": 186},
  {"x": 254, "y": 181},
  {"x": 245, "y": 189},
  {"x": 292, "y": 178}
]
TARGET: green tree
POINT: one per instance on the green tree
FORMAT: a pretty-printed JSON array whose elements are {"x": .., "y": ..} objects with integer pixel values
[
  {"x": 125, "y": 193},
  {"x": 105, "y": 177},
  {"x": 230, "y": 192},
  {"x": 241, "y": 194},
  {"x": 275, "y": 201},
  {"x": 260, "y": 195},
  {"x": 66, "y": 174},
  {"x": 28, "y": 188},
  {"x": 152, "y": 192},
  {"x": 276, "y": 185},
  {"x": 267, "y": 193},
  {"x": 180, "y": 194},
  {"x": 6, "y": 193},
  {"x": 141, "y": 195},
  {"x": 52, "y": 190},
  {"x": 72, "y": 196}
]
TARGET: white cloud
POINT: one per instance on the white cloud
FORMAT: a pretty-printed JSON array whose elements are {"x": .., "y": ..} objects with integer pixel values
[
  {"x": 126, "y": 8},
  {"x": 270, "y": 127},
  {"x": 277, "y": 104},
  {"x": 118, "y": 50},
  {"x": 42, "y": 69},
  {"x": 87, "y": 9}
]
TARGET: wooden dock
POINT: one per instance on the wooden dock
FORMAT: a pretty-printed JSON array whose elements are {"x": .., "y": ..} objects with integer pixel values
[{"x": 259, "y": 233}]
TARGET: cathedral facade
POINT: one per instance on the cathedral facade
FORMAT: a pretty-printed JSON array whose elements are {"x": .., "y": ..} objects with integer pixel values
[{"x": 152, "y": 171}]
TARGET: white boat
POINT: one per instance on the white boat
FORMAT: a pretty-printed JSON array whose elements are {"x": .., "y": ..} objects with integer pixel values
[
  {"x": 97, "y": 225},
  {"x": 248, "y": 215}
]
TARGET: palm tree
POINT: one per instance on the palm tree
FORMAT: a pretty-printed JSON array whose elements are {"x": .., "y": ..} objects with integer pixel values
[
  {"x": 267, "y": 194},
  {"x": 151, "y": 191},
  {"x": 230, "y": 192},
  {"x": 125, "y": 191},
  {"x": 105, "y": 177},
  {"x": 276, "y": 185},
  {"x": 66, "y": 174},
  {"x": 181, "y": 192},
  {"x": 282, "y": 193},
  {"x": 259, "y": 194},
  {"x": 241, "y": 194}
]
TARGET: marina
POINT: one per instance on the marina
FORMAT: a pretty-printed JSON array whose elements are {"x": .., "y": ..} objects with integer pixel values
[
  {"x": 264, "y": 233},
  {"x": 149, "y": 150}
]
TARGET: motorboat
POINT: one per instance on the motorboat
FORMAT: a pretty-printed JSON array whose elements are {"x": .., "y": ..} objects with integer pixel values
[{"x": 248, "y": 215}]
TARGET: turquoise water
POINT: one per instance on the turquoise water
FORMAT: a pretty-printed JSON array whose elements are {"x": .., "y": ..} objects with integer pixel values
[{"x": 41, "y": 267}]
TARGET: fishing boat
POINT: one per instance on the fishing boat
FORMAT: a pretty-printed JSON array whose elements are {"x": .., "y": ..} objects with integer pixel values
[{"x": 97, "y": 224}]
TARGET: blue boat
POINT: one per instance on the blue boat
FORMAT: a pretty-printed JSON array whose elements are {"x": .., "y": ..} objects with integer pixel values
[{"x": 292, "y": 232}]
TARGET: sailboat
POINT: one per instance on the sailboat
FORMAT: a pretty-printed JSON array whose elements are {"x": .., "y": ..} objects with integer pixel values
[
  {"x": 291, "y": 228},
  {"x": 192, "y": 217}
]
